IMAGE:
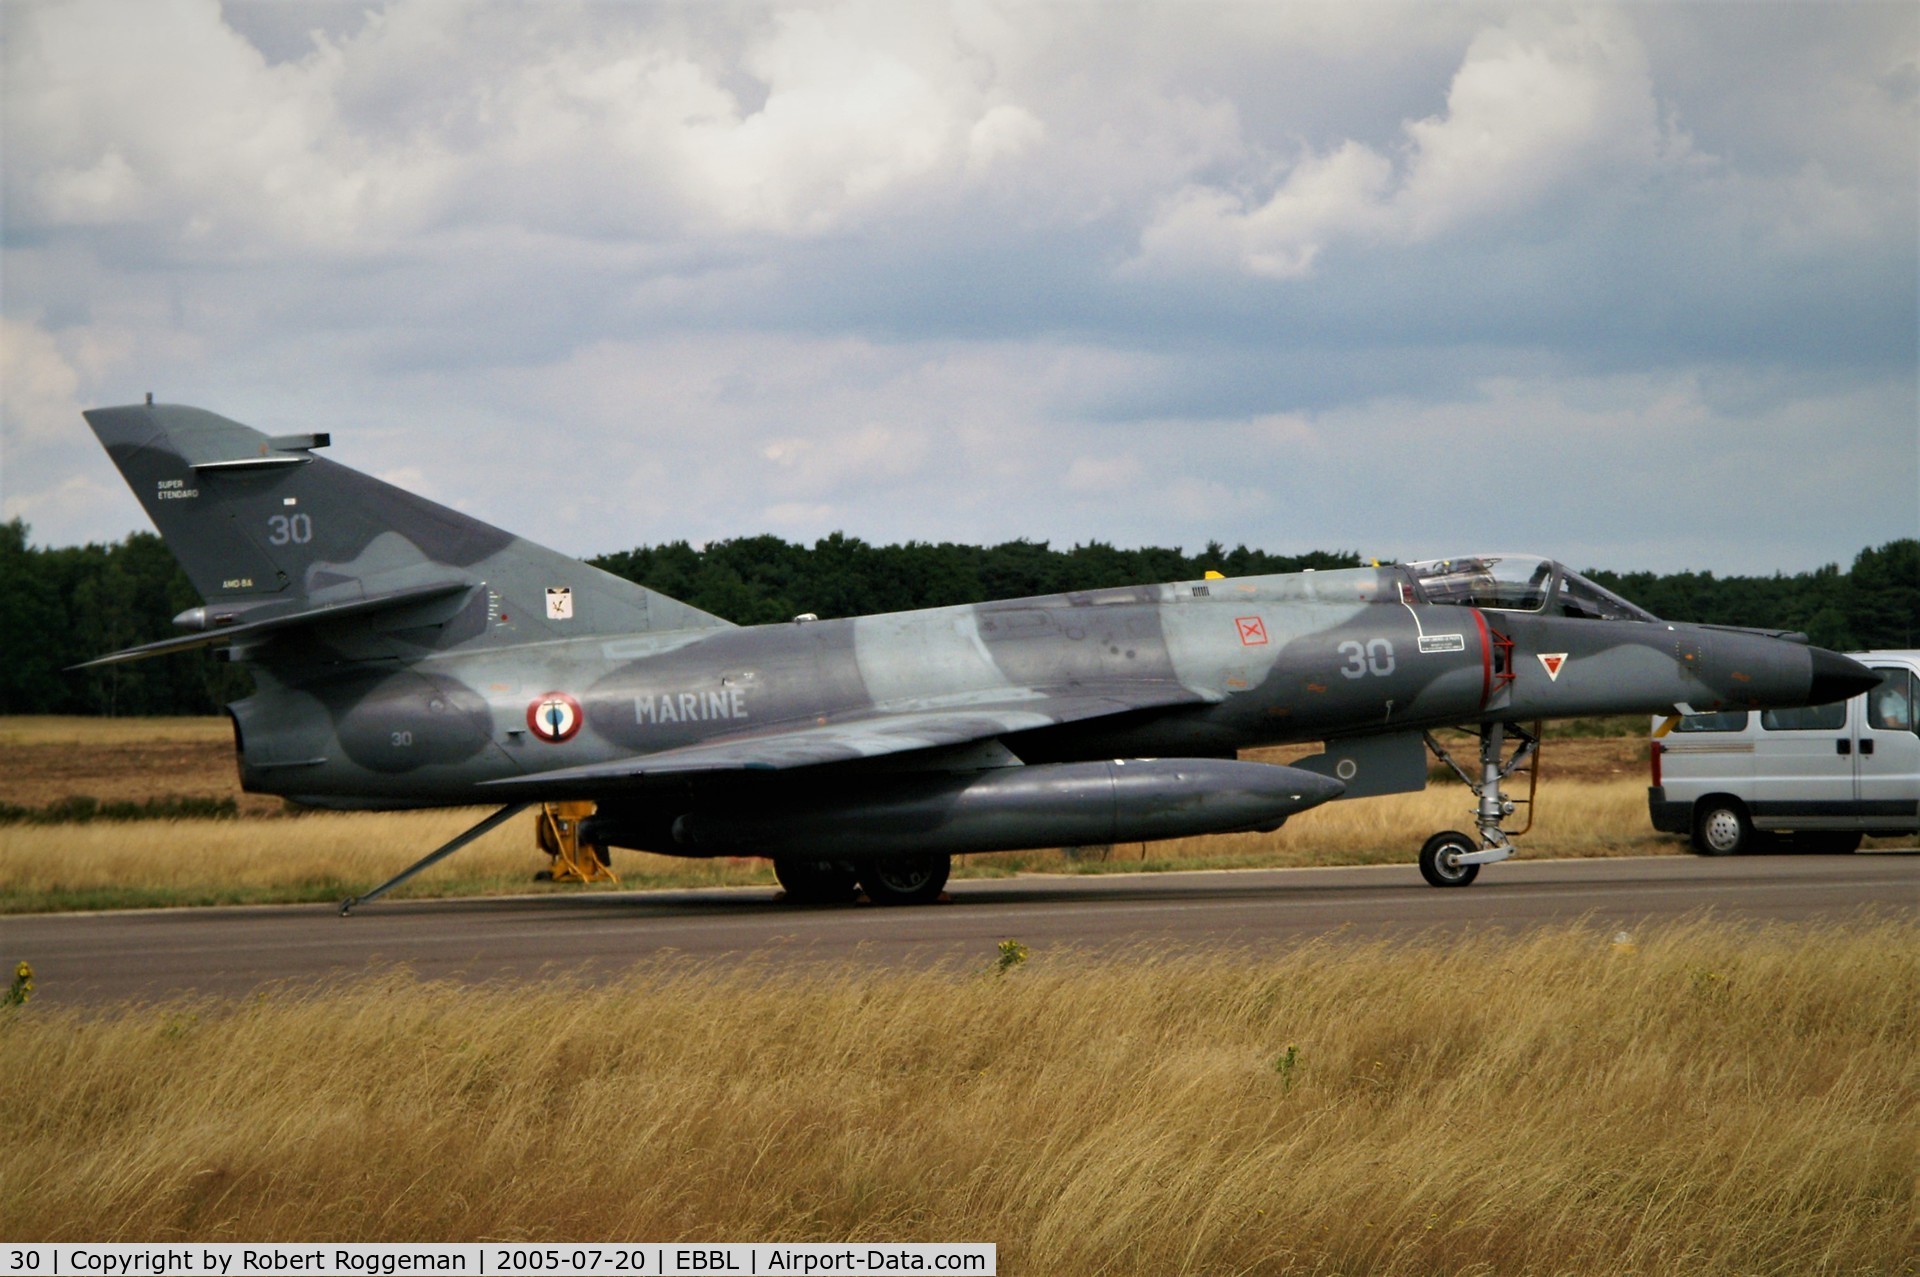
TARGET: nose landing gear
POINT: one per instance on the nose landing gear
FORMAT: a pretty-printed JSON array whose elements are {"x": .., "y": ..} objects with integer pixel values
[{"x": 1451, "y": 859}]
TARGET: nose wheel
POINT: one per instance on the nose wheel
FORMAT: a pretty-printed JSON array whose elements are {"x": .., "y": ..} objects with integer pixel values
[
  {"x": 1453, "y": 859},
  {"x": 1440, "y": 860}
]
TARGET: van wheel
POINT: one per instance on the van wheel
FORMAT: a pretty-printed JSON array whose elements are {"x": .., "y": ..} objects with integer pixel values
[{"x": 1721, "y": 828}]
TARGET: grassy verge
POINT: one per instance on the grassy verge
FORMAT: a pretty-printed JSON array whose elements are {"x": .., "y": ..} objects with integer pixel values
[
  {"x": 318, "y": 857},
  {"x": 327, "y": 856},
  {"x": 19, "y": 731},
  {"x": 78, "y": 809},
  {"x": 1713, "y": 1100}
]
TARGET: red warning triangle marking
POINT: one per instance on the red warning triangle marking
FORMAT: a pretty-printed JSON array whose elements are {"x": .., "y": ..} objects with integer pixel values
[{"x": 1553, "y": 661}]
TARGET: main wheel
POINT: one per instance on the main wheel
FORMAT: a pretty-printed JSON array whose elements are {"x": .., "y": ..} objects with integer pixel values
[
  {"x": 816, "y": 882},
  {"x": 905, "y": 880},
  {"x": 1438, "y": 864},
  {"x": 1721, "y": 827}
]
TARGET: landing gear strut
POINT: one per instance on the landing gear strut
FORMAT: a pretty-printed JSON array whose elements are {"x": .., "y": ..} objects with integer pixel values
[
  {"x": 435, "y": 857},
  {"x": 1451, "y": 859}
]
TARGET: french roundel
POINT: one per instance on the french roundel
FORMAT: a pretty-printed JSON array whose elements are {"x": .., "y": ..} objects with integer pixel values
[{"x": 554, "y": 717}]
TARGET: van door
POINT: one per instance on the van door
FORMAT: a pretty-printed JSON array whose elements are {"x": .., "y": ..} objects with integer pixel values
[
  {"x": 1804, "y": 768},
  {"x": 1887, "y": 762}
]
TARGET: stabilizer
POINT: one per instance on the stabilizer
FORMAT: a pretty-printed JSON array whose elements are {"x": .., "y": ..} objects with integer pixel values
[
  {"x": 231, "y": 634},
  {"x": 275, "y": 537}
]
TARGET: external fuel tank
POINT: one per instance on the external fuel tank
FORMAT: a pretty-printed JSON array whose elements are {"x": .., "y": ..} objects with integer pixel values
[{"x": 1006, "y": 808}]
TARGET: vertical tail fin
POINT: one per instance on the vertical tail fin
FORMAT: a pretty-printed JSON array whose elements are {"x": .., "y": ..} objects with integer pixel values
[{"x": 264, "y": 529}]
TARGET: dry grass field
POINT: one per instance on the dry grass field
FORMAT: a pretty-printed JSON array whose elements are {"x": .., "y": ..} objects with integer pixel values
[
  {"x": 328, "y": 856},
  {"x": 45, "y": 760},
  {"x": 27, "y": 731},
  {"x": 1710, "y": 1100},
  {"x": 321, "y": 856}
]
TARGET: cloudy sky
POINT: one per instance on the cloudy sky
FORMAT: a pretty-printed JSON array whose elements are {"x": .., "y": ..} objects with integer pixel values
[{"x": 1634, "y": 286}]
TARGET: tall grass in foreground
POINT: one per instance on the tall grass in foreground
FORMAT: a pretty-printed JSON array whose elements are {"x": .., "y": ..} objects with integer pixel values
[
  {"x": 327, "y": 856},
  {"x": 1716, "y": 1100}
]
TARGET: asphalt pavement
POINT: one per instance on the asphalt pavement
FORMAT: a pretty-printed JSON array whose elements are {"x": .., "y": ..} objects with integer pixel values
[{"x": 91, "y": 959}]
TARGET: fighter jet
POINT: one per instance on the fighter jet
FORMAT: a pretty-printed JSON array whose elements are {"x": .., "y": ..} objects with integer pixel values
[{"x": 407, "y": 655}]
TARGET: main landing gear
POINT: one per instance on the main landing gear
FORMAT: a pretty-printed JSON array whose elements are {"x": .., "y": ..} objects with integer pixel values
[
  {"x": 905, "y": 880},
  {"x": 816, "y": 882},
  {"x": 890, "y": 880},
  {"x": 1451, "y": 859}
]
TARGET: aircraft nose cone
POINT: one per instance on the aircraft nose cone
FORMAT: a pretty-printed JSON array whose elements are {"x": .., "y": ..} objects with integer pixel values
[{"x": 1836, "y": 677}]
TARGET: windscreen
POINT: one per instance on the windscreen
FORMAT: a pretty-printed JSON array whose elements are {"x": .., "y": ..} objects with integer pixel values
[
  {"x": 1506, "y": 582},
  {"x": 1581, "y": 597},
  {"x": 1520, "y": 583}
]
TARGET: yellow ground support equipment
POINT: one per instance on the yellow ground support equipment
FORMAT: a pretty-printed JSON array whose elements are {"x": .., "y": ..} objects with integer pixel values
[{"x": 558, "y": 834}]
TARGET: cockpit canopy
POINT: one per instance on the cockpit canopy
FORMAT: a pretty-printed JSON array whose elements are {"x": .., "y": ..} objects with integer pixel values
[{"x": 1520, "y": 583}]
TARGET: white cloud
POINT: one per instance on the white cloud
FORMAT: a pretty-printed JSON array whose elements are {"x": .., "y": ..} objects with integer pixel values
[
  {"x": 1536, "y": 106},
  {"x": 50, "y": 513},
  {"x": 1342, "y": 194},
  {"x": 1005, "y": 131},
  {"x": 1544, "y": 104},
  {"x": 159, "y": 113},
  {"x": 706, "y": 270},
  {"x": 51, "y": 470},
  {"x": 833, "y": 460},
  {"x": 42, "y": 387}
]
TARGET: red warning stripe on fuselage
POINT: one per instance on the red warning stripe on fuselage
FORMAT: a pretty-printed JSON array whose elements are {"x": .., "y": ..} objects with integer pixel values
[{"x": 1486, "y": 659}]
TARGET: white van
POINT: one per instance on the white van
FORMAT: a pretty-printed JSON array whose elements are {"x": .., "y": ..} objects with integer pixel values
[{"x": 1816, "y": 779}]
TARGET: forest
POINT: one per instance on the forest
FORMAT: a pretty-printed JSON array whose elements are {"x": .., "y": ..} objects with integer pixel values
[{"x": 63, "y": 605}]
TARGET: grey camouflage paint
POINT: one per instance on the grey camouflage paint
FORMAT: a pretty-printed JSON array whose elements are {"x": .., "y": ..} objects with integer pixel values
[{"x": 467, "y": 676}]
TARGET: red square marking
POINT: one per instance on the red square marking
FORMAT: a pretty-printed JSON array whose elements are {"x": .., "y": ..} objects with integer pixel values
[{"x": 1253, "y": 631}]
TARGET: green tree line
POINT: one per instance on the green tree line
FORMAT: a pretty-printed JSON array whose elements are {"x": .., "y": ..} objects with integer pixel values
[
  {"x": 61, "y": 606},
  {"x": 763, "y": 579}
]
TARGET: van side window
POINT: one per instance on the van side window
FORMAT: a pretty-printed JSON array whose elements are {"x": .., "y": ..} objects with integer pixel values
[
  {"x": 1731, "y": 720},
  {"x": 1813, "y": 718},
  {"x": 1890, "y": 706}
]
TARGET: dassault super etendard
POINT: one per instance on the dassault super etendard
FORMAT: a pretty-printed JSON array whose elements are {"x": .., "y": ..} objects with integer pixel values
[{"x": 406, "y": 655}]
